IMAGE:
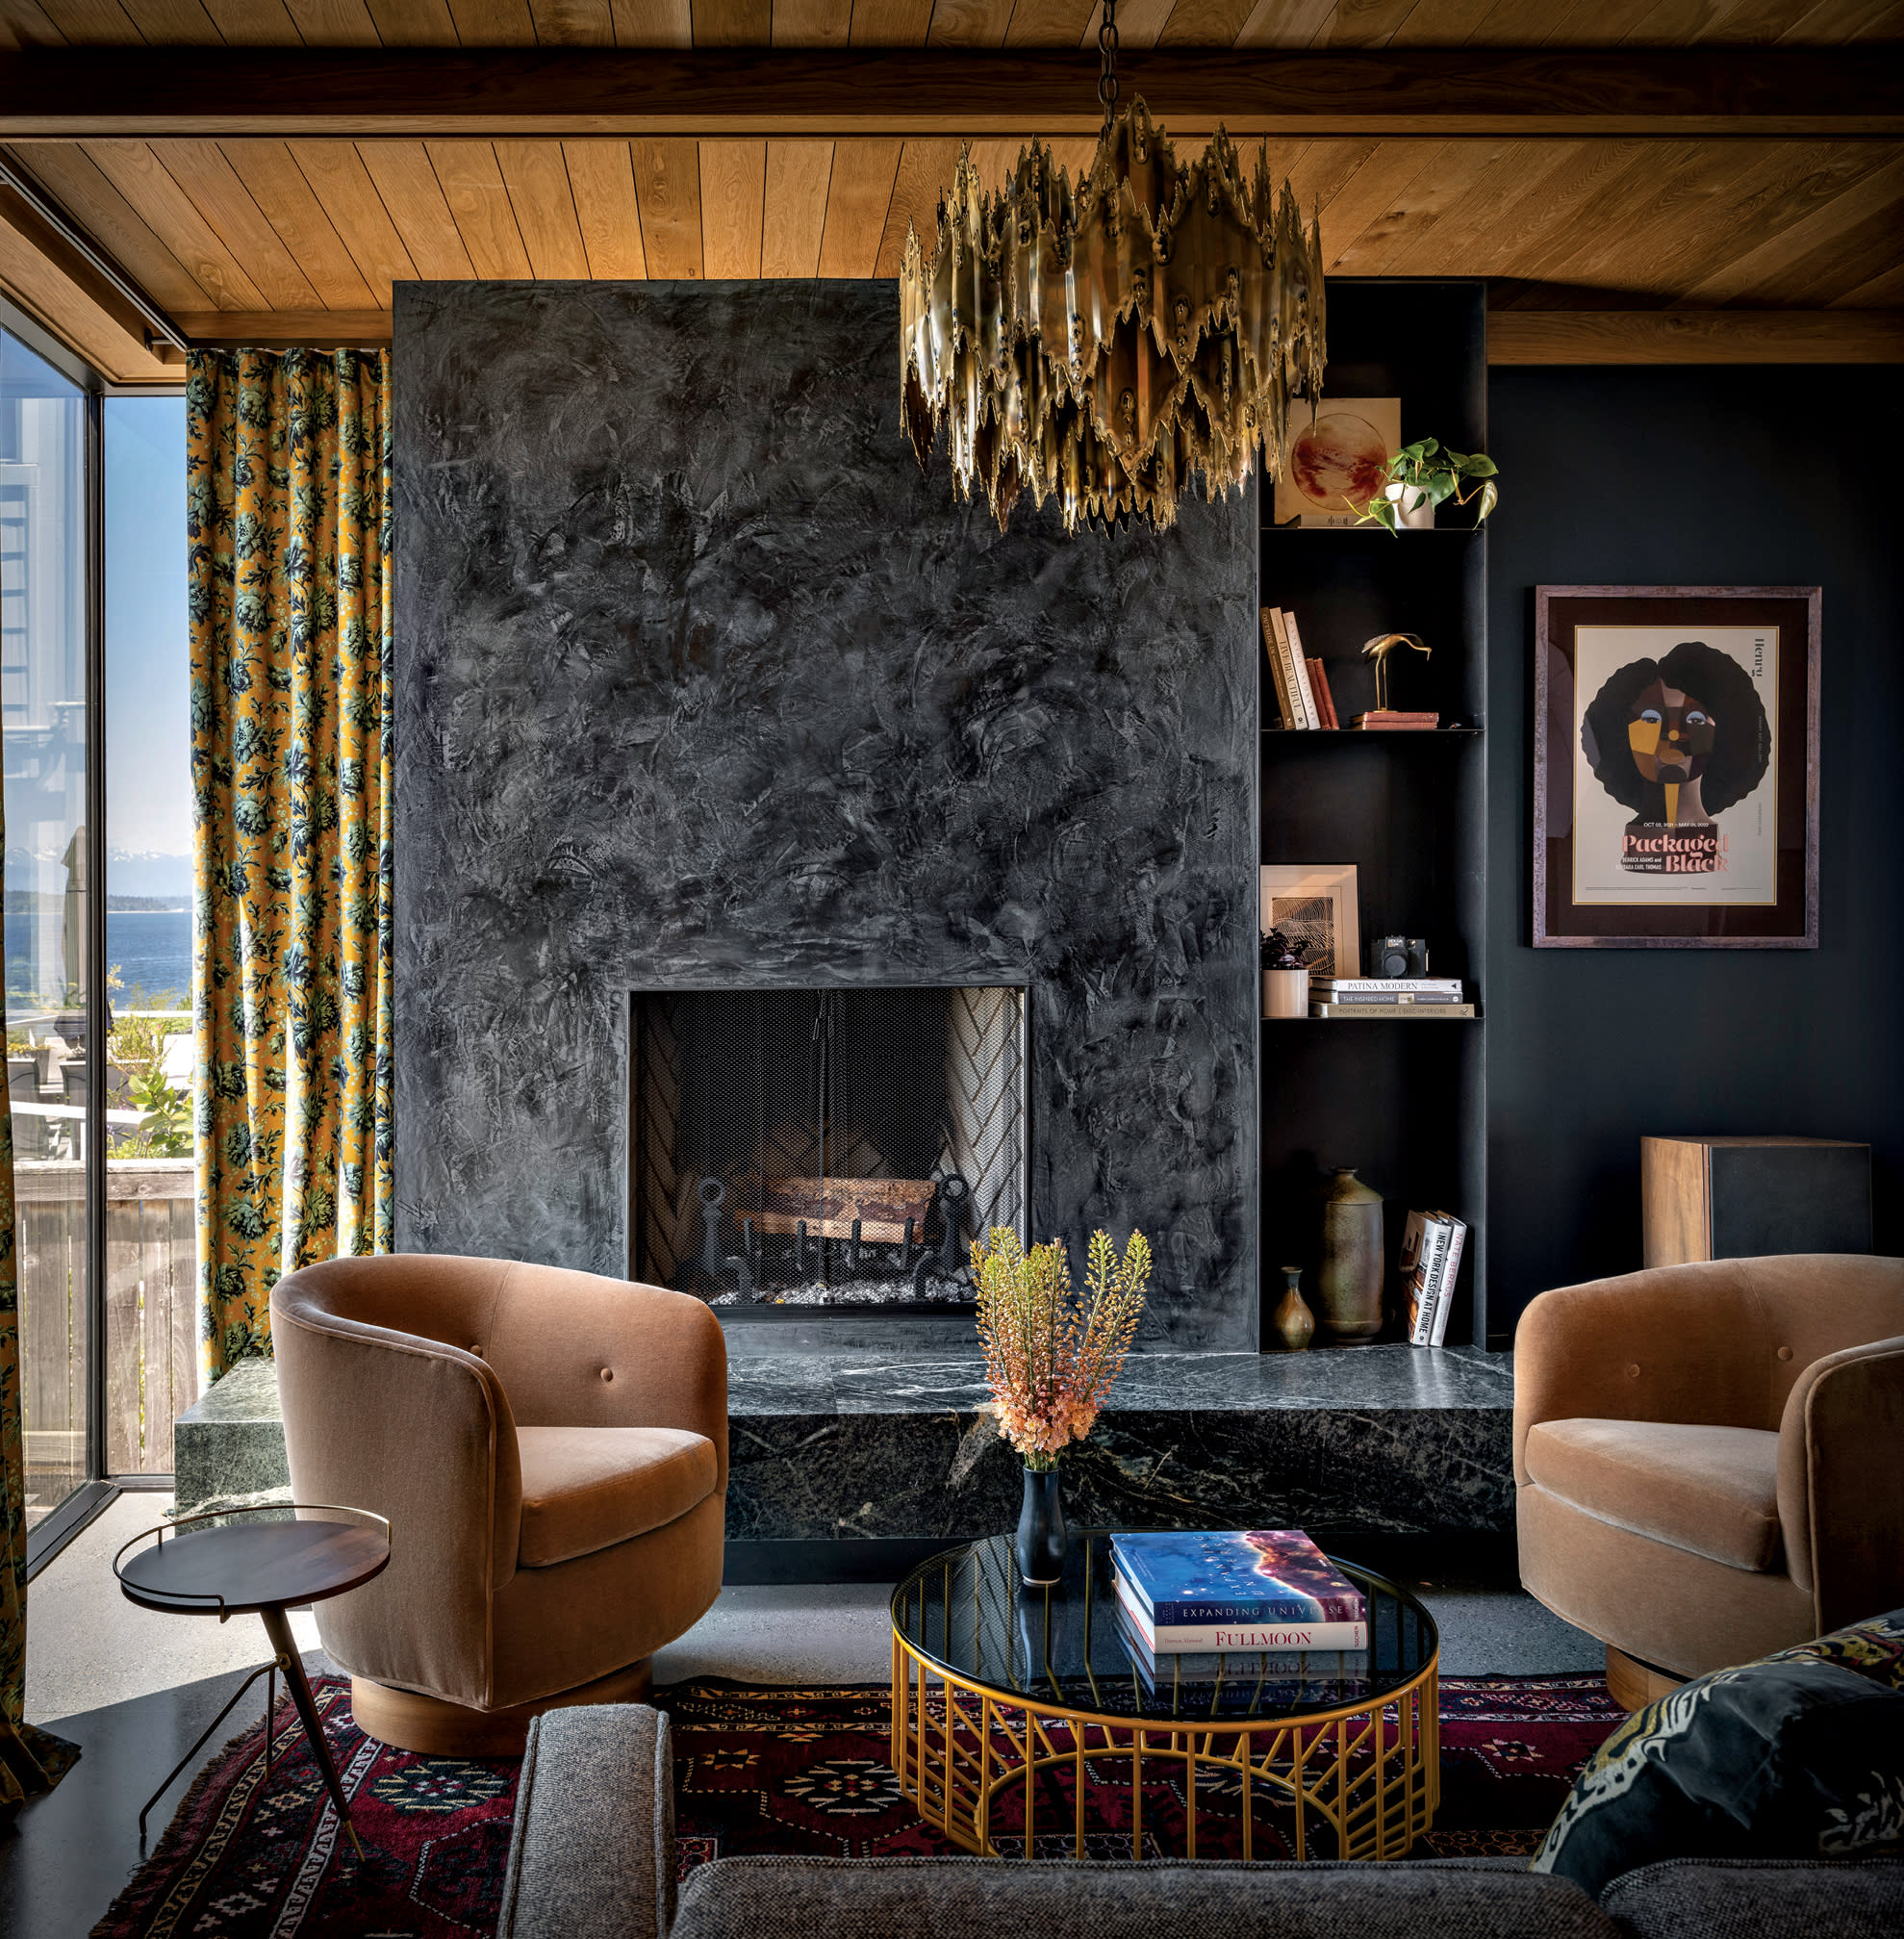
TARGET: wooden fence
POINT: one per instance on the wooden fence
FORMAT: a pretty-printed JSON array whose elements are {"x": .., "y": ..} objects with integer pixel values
[{"x": 151, "y": 1316}]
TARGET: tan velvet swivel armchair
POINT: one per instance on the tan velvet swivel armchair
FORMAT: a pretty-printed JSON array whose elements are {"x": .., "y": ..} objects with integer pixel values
[
  {"x": 551, "y": 1448},
  {"x": 1709, "y": 1460}
]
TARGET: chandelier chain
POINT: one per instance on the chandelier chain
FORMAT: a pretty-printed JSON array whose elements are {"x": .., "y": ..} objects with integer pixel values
[{"x": 1107, "y": 61}]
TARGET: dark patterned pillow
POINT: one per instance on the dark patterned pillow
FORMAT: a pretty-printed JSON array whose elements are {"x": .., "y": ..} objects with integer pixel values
[{"x": 1800, "y": 1756}]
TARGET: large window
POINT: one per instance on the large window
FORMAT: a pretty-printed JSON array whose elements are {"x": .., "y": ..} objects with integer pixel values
[
  {"x": 44, "y": 439},
  {"x": 97, "y": 922}
]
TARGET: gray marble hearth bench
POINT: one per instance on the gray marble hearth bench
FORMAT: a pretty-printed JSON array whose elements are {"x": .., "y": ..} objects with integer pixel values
[{"x": 593, "y": 1857}]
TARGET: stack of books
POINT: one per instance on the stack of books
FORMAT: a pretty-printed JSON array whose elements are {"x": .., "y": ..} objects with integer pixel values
[
  {"x": 1301, "y": 687},
  {"x": 1430, "y": 1261},
  {"x": 1423, "y": 997},
  {"x": 1392, "y": 717},
  {"x": 1204, "y": 1603}
]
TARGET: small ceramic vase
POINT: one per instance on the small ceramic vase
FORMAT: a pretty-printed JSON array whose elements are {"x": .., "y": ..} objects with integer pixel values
[
  {"x": 1414, "y": 509},
  {"x": 1349, "y": 1304},
  {"x": 1040, "y": 1542},
  {"x": 1292, "y": 1322},
  {"x": 1286, "y": 982}
]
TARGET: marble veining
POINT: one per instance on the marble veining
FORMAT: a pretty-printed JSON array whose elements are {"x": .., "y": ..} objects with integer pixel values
[{"x": 700, "y": 682}]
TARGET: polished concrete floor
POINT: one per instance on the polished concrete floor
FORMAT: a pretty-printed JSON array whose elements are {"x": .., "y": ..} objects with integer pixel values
[{"x": 134, "y": 1689}]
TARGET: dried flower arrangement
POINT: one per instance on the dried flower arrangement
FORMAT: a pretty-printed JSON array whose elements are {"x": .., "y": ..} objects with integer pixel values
[{"x": 1052, "y": 1357}]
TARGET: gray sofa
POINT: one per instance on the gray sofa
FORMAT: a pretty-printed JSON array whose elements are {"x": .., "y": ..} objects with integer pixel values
[{"x": 593, "y": 1857}]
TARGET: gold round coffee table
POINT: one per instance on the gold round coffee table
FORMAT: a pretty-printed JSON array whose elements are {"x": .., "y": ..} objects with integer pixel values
[{"x": 1011, "y": 1703}]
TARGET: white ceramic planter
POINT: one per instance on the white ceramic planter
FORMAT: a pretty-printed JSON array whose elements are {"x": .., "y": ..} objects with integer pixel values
[
  {"x": 1414, "y": 509},
  {"x": 1286, "y": 993}
]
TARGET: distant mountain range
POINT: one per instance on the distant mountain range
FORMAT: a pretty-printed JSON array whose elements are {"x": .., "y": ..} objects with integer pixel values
[{"x": 145, "y": 879}]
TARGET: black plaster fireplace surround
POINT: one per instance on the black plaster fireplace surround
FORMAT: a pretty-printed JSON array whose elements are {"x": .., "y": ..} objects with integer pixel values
[{"x": 701, "y": 685}]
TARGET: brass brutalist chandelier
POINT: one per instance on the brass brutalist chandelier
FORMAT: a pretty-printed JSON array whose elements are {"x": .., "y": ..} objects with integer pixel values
[{"x": 1105, "y": 341}]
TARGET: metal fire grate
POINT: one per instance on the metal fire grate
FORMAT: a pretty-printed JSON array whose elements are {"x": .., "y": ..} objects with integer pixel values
[{"x": 825, "y": 1147}]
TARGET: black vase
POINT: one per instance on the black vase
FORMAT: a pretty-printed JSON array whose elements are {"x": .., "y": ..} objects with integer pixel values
[{"x": 1039, "y": 1545}]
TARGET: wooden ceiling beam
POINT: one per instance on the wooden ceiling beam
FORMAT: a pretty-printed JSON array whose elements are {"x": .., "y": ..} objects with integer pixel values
[
  {"x": 83, "y": 93},
  {"x": 1696, "y": 337}
]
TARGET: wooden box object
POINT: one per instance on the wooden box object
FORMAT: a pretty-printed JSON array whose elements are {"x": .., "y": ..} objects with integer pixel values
[{"x": 1747, "y": 1197}]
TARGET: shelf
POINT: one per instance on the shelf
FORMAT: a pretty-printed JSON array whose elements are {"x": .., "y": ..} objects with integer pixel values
[
  {"x": 1374, "y": 1019},
  {"x": 1311, "y": 734}
]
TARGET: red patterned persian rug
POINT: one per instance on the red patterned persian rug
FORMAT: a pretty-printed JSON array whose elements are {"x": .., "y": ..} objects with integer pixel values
[{"x": 791, "y": 1771}]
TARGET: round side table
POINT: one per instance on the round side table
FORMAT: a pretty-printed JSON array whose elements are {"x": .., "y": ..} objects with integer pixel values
[{"x": 249, "y": 1565}]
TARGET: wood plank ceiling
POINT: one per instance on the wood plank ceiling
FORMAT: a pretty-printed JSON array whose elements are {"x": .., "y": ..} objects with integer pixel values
[{"x": 241, "y": 237}]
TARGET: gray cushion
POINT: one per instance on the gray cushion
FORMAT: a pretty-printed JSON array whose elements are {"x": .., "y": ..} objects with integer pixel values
[
  {"x": 1007, "y": 1898},
  {"x": 591, "y": 1855},
  {"x": 1761, "y": 1899}
]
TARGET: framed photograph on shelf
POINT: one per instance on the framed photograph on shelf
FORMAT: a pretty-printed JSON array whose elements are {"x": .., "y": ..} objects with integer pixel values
[
  {"x": 1315, "y": 908},
  {"x": 1339, "y": 450},
  {"x": 1676, "y": 767}
]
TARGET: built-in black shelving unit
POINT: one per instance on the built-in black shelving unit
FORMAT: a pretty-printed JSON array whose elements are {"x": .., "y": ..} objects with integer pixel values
[{"x": 1403, "y": 1101}]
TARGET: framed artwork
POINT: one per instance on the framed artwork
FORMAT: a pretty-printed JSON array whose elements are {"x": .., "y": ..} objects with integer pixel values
[
  {"x": 1339, "y": 450},
  {"x": 1676, "y": 767},
  {"x": 1315, "y": 908}
]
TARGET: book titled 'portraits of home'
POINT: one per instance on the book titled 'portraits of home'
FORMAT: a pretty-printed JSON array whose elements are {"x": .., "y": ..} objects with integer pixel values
[{"x": 1253, "y": 1588}]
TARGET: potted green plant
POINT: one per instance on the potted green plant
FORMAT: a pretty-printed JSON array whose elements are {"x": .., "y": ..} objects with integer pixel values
[{"x": 1421, "y": 475}]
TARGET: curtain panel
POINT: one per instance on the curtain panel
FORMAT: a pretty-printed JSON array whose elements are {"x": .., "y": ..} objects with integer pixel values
[{"x": 288, "y": 523}]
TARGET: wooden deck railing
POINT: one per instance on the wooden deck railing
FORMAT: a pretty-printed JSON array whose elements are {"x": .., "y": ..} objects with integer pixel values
[{"x": 151, "y": 1315}]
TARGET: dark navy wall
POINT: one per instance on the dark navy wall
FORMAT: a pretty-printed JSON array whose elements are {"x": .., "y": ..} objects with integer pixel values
[
  {"x": 1700, "y": 476},
  {"x": 699, "y": 680}
]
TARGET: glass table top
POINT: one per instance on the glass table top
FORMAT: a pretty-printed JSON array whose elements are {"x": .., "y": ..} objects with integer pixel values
[{"x": 968, "y": 1612}]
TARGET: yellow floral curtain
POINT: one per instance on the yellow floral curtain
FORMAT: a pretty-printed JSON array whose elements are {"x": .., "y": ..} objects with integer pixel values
[
  {"x": 31, "y": 1761},
  {"x": 288, "y": 523}
]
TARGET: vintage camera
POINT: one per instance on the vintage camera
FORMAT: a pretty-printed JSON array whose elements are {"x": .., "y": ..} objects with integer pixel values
[{"x": 1397, "y": 957}]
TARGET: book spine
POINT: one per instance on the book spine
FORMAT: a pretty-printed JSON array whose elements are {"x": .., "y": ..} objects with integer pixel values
[
  {"x": 1324, "y": 699},
  {"x": 1387, "y": 996},
  {"x": 1422, "y": 1012},
  {"x": 1200, "y": 1638},
  {"x": 1421, "y": 1305},
  {"x": 1276, "y": 670},
  {"x": 1300, "y": 667},
  {"x": 1444, "y": 985},
  {"x": 1444, "y": 1295},
  {"x": 1286, "y": 660}
]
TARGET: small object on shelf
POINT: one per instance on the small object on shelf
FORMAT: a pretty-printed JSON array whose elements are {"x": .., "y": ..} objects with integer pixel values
[
  {"x": 1430, "y": 1273},
  {"x": 1398, "y": 958},
  {"x": 1368, "y": 1012},
  {"x": 1403, "y": 990},
  {"x": 1316, "y": 909},
  {"x": 1338, "y": 461},
  {"x": 1420, "y": 475},
  {"x": 1349, "y": 1283},
  {"x": 1285, "y": 979},
  {"x": 1291, "y": 671},
  {"x": 1311, "y": 707},
  {"x": 1292, "y": 1322},
  {"x": 1378, "y": 649},
  {"x": 1324, "y": 699},
  {"x": 1384, "y": 721}
]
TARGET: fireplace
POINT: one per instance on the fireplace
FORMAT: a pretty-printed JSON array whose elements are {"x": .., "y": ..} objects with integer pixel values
[{"x": 825, "y": 1147}]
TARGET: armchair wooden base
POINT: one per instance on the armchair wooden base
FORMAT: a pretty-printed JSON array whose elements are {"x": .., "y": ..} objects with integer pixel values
[
  {"x": 434, "y": 1727},
  {"x": 1633, "y": 1684}
]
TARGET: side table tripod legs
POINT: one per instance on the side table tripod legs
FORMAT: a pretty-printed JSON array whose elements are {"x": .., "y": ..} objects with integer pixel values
[{"x": 278, "y": 1629}]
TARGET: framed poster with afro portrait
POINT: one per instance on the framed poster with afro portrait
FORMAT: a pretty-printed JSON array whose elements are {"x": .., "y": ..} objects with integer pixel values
[{"x": 1676, "y": 767}]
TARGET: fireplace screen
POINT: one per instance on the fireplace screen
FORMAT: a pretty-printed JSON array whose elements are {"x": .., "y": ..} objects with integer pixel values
[{"x": 834, "y": 1147}]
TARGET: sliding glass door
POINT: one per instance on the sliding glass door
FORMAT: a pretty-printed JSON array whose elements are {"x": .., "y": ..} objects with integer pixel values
[{"x": 47, "y": 436}]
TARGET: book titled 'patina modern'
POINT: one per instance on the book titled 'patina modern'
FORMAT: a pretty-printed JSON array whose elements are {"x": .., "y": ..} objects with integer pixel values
[{"x": 1263, "y": 1576}]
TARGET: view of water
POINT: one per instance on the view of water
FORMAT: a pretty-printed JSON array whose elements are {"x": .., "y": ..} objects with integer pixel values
[{"x": 152, "y": 951}]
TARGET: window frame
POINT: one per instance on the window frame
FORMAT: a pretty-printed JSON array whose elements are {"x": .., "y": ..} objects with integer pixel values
[{"x": 49, "y": 1537}]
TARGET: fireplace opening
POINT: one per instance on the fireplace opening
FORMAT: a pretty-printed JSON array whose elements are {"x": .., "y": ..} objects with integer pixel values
[{"x": 825, "y": 1147}]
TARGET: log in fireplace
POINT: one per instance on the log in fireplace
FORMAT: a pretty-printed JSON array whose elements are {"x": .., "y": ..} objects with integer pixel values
[{"x": 826, "y": 1147}]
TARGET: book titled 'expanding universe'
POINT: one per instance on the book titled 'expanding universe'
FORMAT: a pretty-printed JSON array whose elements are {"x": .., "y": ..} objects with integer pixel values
[{"x": 1261, "y": 1589}]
